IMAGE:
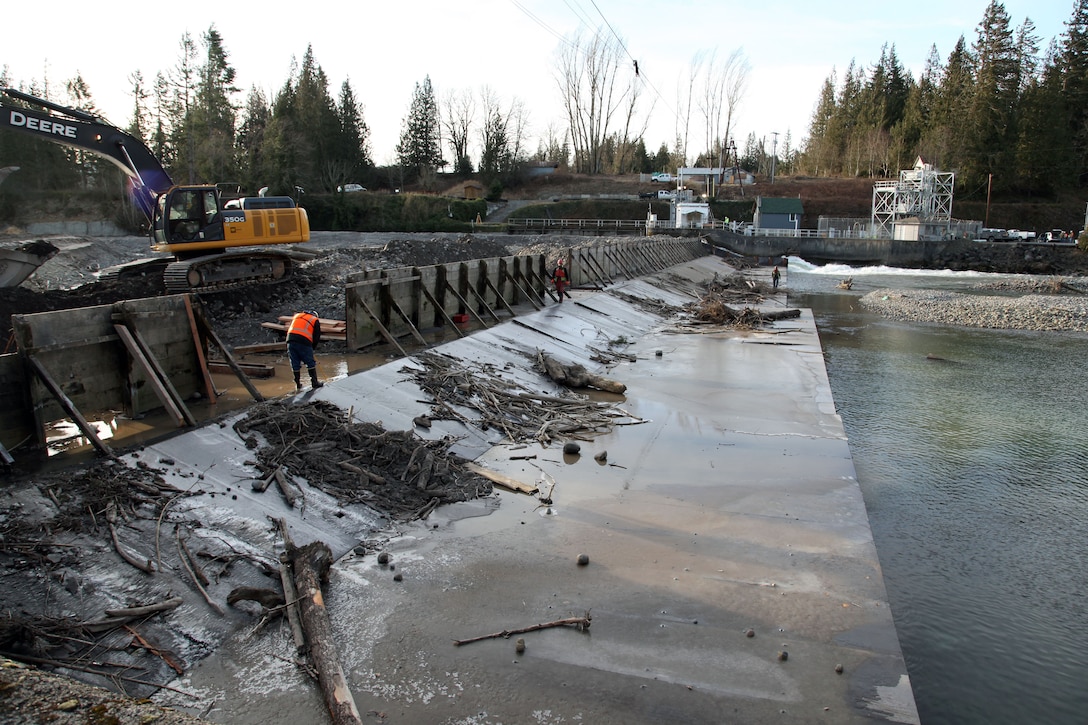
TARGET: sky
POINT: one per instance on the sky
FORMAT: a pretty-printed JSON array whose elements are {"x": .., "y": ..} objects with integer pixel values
[{"x": 508, "y": 46}]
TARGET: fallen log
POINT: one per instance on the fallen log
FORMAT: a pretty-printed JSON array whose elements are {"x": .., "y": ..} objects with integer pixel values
[
  {"x": 310, "y": 564},
  {"x": 576, "y": 376}
]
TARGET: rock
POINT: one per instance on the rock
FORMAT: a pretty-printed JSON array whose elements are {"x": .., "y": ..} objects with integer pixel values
[
  {"x": 583, "y": 559},
  {"x": 572, "y": 448}
]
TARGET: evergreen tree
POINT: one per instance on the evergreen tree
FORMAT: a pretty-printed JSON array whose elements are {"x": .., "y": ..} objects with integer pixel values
[
  {"x": 138, "y": 124},
  {"x": 420, "y": 145},
  {"x": 992, "y": 119},
  {"x": 1074, "y": 69},
  {"x": 251, "y": 141},
  {"x": 946, "y": 135},
  {"x": 1043, "y": 158},
  {"x": 89, "y": 165},
  {"x": 820, "y": 150},
  {"x": 183, "y": 80},
  {"x": 355, "y": 134},
  {"x": 212, "y": 116}
]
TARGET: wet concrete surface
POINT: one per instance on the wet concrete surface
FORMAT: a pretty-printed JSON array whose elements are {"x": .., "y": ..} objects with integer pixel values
[{"x": 731, "y": 566}]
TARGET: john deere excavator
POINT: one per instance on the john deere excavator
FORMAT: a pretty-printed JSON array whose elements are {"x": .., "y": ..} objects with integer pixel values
[{"x": 190, "y": 222}]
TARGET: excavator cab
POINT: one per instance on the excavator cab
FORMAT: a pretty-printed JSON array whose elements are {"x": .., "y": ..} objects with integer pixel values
[{"x": 188, "y": 214}]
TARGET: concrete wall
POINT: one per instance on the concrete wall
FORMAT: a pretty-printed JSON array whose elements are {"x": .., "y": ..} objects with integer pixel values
[
  {"x": 82, "y": 352},
  {"x": 823, "y": 250},
  {"x": 499, "y": 284},
  {"x": 77, "y": 229}
]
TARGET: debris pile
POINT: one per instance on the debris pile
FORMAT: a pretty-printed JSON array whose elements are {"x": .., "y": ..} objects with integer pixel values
[
  {"x": 502, "y": 404},
  {"x": 393, "y": 472},
  {"x": 716, "y": 306}
]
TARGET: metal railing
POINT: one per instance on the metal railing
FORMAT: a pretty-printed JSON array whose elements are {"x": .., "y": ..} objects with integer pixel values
[{"x": 638, "y": 226}]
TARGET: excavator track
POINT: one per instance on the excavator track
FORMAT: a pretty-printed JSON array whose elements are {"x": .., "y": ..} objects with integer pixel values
[
  {"x": 138, "y": 268},
  {"x": 218, "y": 272}
]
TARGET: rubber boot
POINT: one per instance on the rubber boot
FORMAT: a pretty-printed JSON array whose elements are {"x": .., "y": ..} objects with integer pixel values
[
  {"x": 314, "y": 382},
  {"x": 298, "y": 380}
]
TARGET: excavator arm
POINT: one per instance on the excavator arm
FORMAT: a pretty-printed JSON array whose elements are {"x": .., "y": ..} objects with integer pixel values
[
  {"x": 190, "y": 222},
  {"x": 81, "y": 130}
]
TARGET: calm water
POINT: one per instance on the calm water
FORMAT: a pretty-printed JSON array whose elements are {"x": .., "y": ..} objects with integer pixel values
[{"x": 975, "y": 474}]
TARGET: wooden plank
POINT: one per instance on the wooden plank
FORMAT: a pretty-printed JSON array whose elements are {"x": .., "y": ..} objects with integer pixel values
[
  {"x": 406, "y": 318},
  {"x": 282, "y": 329},
  {"x": 69, "y": 408},
  {"x": 480, "y": 298},
  {"x": 209, "y": 386},
  {"x": 464, "y": 303},
  {"x": 441, "y": 311},
  {"x": 329, "y": 324},
  {"x": 225, "y": 351},
  {"x": 5, "y": 456},
  {"x": 499, "y": 297},
  {"x": 264, "y": 347},
  {"x": 158, "y": 380},
  {"x": 513, "y": 280},
  {"x": 505, "y": 481},
  {"x": 381, "y": 328},
  {"x": 252, "y": 370}
]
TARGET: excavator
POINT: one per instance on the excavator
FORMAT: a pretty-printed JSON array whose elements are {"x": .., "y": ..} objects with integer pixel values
[{"x": 193, "y": 223}]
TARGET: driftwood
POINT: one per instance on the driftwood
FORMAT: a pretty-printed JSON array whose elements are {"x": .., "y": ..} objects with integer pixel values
[
  {"x": 310, "y": 565},
  {"x": 576, "y": 376},
  {"x": 498, "y": 402},
  {"x": 163, "y": 606},
  {"x": 579, "y": 623},
  {"x": 145, "y": 565},
  {"x": 394, "y": 472}
]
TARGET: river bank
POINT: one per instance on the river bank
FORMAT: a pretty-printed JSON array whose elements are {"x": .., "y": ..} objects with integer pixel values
[{"x": 1026, "y": 312}]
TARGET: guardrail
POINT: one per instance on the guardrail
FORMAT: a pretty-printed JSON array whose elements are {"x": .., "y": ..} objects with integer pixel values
[{"x": 638, "y": 226}]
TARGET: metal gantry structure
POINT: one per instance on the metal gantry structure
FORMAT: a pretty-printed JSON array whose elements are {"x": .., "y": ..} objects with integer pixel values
[{"x": 923, "y": 193}]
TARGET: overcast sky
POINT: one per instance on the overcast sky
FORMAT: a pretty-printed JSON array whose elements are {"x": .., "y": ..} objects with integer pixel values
[{"x": 385, "y": 48}]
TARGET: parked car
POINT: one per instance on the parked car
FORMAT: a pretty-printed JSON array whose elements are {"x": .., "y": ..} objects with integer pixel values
[
  {"x": 994, "y": 235},
  {"x": 661, "y": 177},
  {"x": 665, "y": 194},
  {"x": 647, "y": 195},
  {"x": 1054, "y": 236},
  {"x": 350, "y": 188},
  {"x": 1017, "y": 234}
]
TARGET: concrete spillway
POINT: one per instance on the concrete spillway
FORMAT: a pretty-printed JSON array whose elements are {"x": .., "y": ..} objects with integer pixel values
[{"x": 731, "y": 566}]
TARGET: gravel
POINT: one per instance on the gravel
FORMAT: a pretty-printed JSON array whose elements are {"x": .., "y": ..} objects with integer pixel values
[{"x": 1004, "y": 312}]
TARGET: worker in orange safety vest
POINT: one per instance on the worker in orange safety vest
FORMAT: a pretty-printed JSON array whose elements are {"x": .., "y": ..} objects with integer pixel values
[
  {"x": 303, "y": 336},
  {"x": 561, "y": 279}
]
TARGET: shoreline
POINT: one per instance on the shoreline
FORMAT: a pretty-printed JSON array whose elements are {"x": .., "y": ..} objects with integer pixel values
[{"x": 1037, "y": 312}]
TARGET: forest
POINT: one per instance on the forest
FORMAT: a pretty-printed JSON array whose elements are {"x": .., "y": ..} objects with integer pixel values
[{"x": 1005, "y": 114}]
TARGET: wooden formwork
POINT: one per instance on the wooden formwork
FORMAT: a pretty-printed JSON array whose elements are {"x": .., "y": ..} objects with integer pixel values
[
  {"x": 392, "y": 305},
  {"x": 132, "y": 356}
]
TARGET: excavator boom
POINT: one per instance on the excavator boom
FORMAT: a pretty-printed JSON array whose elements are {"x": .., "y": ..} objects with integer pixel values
[
  {"x": 190, "y": 222},
  {"x": 80, "y": 130}
]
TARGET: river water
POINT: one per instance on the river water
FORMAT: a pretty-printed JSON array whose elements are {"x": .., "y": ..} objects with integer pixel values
[{"x": 975, "y": 474}]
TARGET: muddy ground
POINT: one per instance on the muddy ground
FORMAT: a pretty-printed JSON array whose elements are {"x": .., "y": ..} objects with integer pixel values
[{"x": 48, "y": 520}]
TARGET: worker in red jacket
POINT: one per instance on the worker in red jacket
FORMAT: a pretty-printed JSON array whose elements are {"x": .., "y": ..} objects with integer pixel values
[
  {"x": 562, "y": 279},
  {"x": 303, "y": 336}
]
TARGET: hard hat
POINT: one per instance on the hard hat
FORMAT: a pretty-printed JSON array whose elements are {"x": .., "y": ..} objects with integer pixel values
[{"x": 312, "y": 313}]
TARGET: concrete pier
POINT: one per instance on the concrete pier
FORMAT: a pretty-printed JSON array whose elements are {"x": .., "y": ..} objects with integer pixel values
[{"x": 731, "y": 572}]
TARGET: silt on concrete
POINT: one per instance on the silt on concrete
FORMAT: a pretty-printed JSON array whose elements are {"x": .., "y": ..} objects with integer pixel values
[{"x": 726, "y": 505}]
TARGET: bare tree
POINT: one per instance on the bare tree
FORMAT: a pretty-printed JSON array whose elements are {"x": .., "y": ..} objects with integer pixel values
[
  {"x": 594, "y": 94},
  {"x": 720, "y": 87},
  {"x": 459, "y": 116}
]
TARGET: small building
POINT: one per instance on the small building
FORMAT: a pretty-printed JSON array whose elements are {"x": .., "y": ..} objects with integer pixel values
[
  {"x": 472, "y": 189},
  {"x": 691, "y": 214},
  {"x": 778, "y": 213}
]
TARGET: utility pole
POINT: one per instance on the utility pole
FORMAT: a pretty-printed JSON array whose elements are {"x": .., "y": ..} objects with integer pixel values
[{"x": 774, "y": 153}]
